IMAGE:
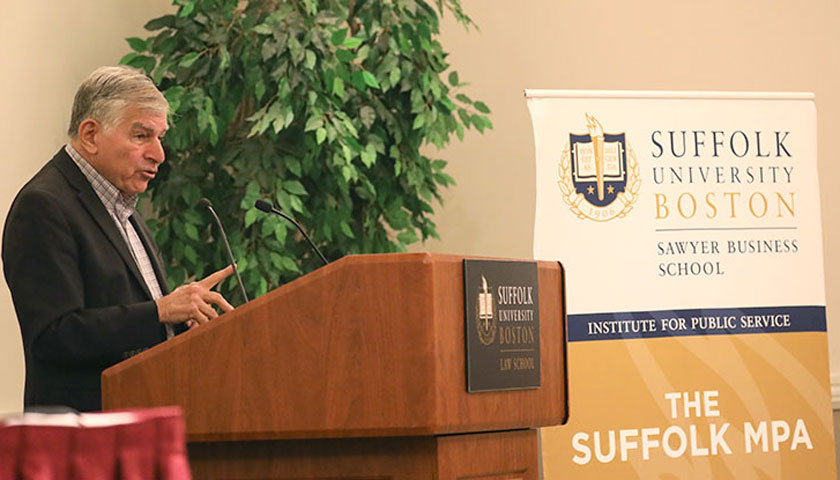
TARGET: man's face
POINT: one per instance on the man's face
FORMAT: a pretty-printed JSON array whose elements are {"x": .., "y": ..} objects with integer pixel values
[{"x": 129, "y": 154}]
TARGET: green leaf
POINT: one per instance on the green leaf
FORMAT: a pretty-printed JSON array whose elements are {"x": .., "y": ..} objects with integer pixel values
[
  {"x": 270, "y": 48},
  {"x": 241, "y": 265},
  {"x": 259, "y": 89},
  {"x": 276, "y": 259},
  {"x": 337, "y": 37},
  {"x": 283, "y": 118},
  {"x": 338, "y": 87},
  {"x": 453, "y": 78},
  {"x": 363, "y": 52},
  {"x": 283, "y": 200},
  {"x": 463, "y": 98},
  {"x": 178, "y": 249},
  {"x": 481, "y": 122},
  {"x": 136, "y": 44},
  {"x": 419, "y": 121},
  {"x": 345, "y": 56},
  {"x": 188, "y": 60},
  {"x": 294, "y": 187},
  {"x": 397, "y": 217},
  {"x": 190, "y": 254},
  {"x": 161, "y": 233},
  {"x": 320, "y": 135},
  {"x": 351, "y": 42},
  {"x": 368, "y": 115},
  {"x": 293, "y": 164},
  {"x": 187, "y": 9},
  {"x": 359, "y": 80},
  {"x": 252, "y": 193},
  {"x": 348, "y": 124},
  {"x": 289, "y": 264},
  {"x": 345, "y": 227},
  {"x": 263, "y": 29},
  {"x": 423, "y": 31},
  {"x": 224, "y": 57},
  {"x": 394, "y": 76},
  {"x": 313, "y": 123},
  {"x": 465, "y": 117},
  {"x": 296, "y": 204},
  {"x": 296, "y": 50},
  {"x": 191, "y": 231},
  {"x": 203, "y": 120},
  {"x": 262, "y": 289},
  {"x": 311, "y": 6},
  {"x": 250, "y": 217},
  {"x": 407, "y": 237},
  {"x": 309, "y": 63},
  {"x": 267, "y": 229},
  {"x": 370, "y": 80},
  {"x": 128, "y": 58},
  {"x": 481, "y": 107},
  {"x": 280, "y": 232},
  {"x": 368, "y": 155},
  {"x": 160, "y": 22}
]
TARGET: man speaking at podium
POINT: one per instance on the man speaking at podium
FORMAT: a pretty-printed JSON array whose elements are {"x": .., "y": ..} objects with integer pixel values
[{"x": 86, "y": 277}]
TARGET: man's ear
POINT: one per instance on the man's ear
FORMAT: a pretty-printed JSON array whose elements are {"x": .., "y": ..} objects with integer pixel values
[{"x": 88, "y": 135}]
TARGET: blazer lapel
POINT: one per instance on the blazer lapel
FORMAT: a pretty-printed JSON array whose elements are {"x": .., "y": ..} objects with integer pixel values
[{"x": 97, "y": 211}]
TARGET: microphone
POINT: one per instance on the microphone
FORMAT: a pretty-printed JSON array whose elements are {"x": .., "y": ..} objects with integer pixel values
[
  {"x": 269, "y": 208},
  {"x": 209, "y": 206}
]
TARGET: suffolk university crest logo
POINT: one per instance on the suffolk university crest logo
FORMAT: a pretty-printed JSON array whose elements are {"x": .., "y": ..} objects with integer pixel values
[
  {"x": 485, "y": 318},
  {"x": 599, "y": 174}
]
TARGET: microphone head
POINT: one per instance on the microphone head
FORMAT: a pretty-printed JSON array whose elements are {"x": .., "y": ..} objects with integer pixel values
[
  {"x": 264, "y": 206},
  {"x": 204, "y": 202}
]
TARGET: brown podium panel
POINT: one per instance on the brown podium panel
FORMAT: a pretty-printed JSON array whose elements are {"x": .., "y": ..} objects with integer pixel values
[{"x": 510, "y": 455}]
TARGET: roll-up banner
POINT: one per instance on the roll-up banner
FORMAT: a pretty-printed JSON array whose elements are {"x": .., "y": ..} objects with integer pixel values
[{"x": 689, "y": 227}]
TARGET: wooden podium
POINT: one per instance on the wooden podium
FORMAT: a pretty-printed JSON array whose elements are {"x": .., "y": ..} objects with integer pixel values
[{"x": 354, "y": 371}]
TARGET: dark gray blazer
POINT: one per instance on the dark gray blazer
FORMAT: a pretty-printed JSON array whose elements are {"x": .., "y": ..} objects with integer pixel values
[{"x": 80, "y": 299}]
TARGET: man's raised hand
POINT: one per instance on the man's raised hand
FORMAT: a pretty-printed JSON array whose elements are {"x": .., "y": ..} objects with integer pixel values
[{"x": 193, "y": 302}]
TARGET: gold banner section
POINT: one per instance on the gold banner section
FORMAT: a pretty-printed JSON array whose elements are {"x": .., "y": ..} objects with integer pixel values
[{"x": 735, "y": 406}]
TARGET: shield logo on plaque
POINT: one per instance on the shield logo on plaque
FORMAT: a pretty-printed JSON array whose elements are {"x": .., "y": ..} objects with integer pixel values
[{"x": 485, "y": 319}]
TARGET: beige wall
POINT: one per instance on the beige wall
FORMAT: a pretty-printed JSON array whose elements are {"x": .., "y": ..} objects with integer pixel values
[{"x": 767, "y": 45}]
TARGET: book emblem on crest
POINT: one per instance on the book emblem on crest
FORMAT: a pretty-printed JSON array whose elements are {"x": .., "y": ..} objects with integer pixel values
[
  {"x": 599, "y": 174},
  {"x": 485, "y": 318}
]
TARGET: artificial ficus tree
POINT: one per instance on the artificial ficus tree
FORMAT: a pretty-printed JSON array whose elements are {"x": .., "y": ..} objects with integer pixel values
[{"x": 318, "y": 106}]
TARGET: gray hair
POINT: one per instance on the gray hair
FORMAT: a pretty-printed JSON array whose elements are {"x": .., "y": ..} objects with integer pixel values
[{"x": 108, "y": 91}]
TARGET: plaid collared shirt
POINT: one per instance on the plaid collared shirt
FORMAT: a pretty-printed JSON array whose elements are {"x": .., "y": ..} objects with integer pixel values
[{"x": 121, "y": 207}]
